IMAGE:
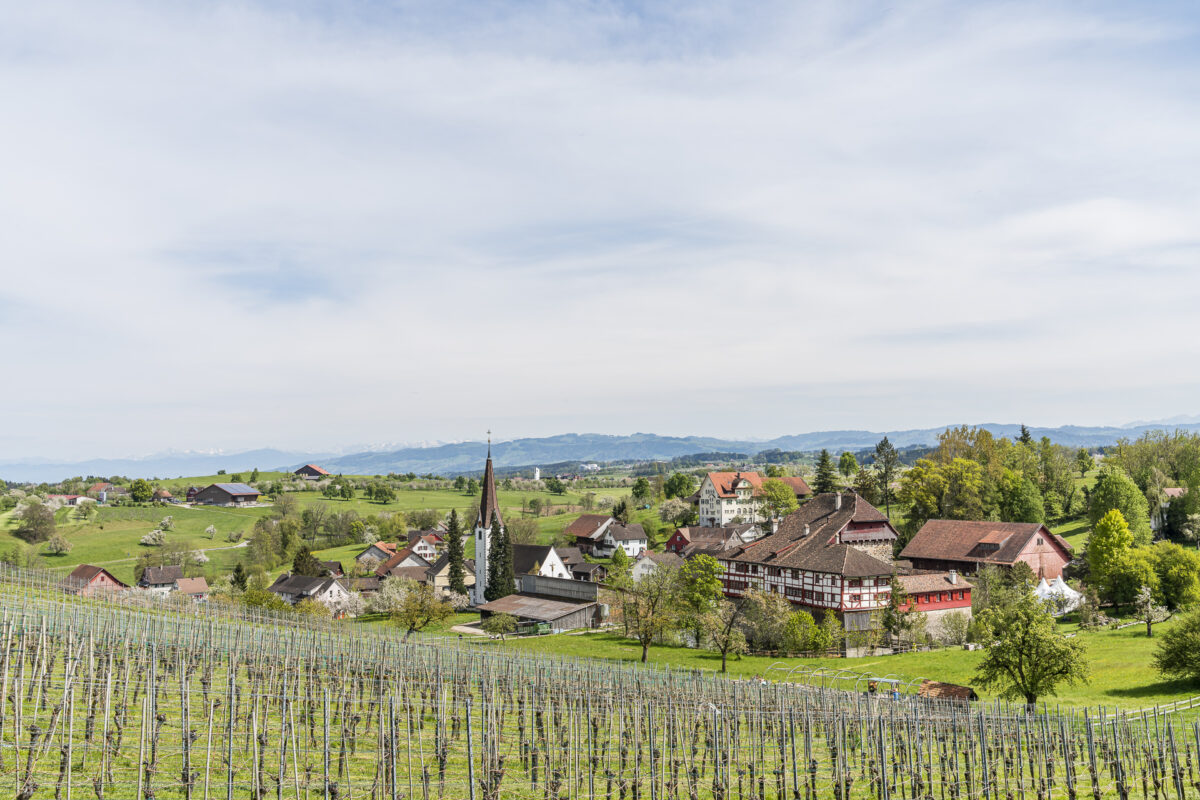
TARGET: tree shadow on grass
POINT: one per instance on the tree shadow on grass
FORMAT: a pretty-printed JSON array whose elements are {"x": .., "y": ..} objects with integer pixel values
[{"x": 1182, "y": 687}]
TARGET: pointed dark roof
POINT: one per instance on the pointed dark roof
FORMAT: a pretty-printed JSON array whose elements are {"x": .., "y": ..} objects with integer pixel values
[{"x": 488, "y": 503}]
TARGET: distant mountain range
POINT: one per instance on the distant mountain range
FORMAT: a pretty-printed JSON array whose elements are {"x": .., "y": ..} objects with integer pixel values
[{"x": 467, "y": 457}]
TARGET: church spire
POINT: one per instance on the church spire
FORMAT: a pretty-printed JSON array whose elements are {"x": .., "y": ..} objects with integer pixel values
[{"x": 489, "y": 505}]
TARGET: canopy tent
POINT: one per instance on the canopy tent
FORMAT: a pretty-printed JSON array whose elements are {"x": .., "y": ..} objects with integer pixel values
[{"x": 1058, "y": 595}]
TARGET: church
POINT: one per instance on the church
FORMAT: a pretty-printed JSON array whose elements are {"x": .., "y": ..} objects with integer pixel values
[{"x": 489, "y": 510}]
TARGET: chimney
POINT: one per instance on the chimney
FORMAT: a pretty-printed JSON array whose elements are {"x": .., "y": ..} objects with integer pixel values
[
  {"x": 806, "y": 529},
  {"x": 953, "y": 577},
  {"x": 837, "y": 503}
]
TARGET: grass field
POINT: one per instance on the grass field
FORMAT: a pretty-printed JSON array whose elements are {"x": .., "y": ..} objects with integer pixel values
[{"x": 1122, "y": 672}]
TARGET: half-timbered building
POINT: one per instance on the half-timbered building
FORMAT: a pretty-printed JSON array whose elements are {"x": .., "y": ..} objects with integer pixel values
[{"x": 834, "y": 553}]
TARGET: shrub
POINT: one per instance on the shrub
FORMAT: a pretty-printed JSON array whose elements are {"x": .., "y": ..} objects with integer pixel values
[{"x": 155, "y": 538}]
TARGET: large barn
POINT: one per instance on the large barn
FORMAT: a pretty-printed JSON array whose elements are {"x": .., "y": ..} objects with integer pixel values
[
  {"x": 227, "y": 494},
  {"x": 966, "y": 545}
]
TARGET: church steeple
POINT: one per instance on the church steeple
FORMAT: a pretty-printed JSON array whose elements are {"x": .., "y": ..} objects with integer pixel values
[{"x": 489, "y": 505}]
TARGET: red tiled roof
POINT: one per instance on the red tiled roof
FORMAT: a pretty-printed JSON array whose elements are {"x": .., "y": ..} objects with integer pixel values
[
  {"x": 932, "y": 582},
  {"x": 724, "y": 482},
  {"x": 314, "y": 468},
  {"x": 969, "y": 540}
]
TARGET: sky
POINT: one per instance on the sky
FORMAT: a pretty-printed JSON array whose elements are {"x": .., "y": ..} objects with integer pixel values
[{"x": 317, "y": 225}]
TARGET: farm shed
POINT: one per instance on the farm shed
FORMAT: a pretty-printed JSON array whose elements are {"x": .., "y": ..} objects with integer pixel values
[
  {"x": 227, "y": 494},
  {"x": 91, "y": 580},
  {"x": 560, "y": 614}
]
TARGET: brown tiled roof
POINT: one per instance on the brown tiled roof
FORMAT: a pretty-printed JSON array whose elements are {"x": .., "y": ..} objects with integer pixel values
[
  {"x": 387, "y": 567},
  {"x": 723, "y": 482},
  {"x": 538, "y": 608},
  {"x": 627, "y": 533},
  {"x": 489, "y": 505},
  {"x": 667, "y": 559},
  {"x": 586, "y": 525},
  {"x": 86, "y": 572},
  {"x": 526, "y": 556},
  {"x": 192, "y": 585},
  {"x": 418, "y": 574},
  {"x": 931, "y": 582},
  {"x": 968, "y": 540},
  {"x": 158, "y": 576},
  {"x": 570, "y": 555},
  {"x": 369, "y": 584},
  {"x": 809, "y": 538}
]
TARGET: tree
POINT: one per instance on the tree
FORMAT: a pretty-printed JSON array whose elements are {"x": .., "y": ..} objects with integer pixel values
[
  {"x": 1147, "y": 611},
  {"x": 500, "y": 578},
  {"x": 35, "y": 522},
  {"x": 800, "y": 632},
  {"x": 1084, "y": 462},
  {"x": 619, "y": 565},
  {"x": 641, "y": 489},
  {"x": 847, "y": 464},
  {"x": 778, "y": 498},
  {"x": 522, "y": 531},
  {"x": 1128, "y": 575},
  {"x": 700, "y": 589},
  {"x": 535, "y": 507},
  {"x": 674, "y": 511},
  {"x": 1178, "y": 652},
  {"x": 887, "y": 461},
  {"x": 420, "y": 606},
  {"x": 955, "y": 628},
  {"x": 963, "y": 498},
  {"x": 555, "y": 485},
  {"x": 140, "y": 491},
  {"x": 1108, "y": 544},
  {"x": 389, "y": 597},
  {"x": 621, "y": 512},
  {"x": 1026, "y": 437},
  {"x": 721, "y": 627},
  {"x": 456, "y": 574},
  {"x": 238, "y": 579},
  {"x": 381, "y": 493},
  {"x": 1178, "y": 571},
  {"x": 865, "y": 486},
  {"x": 680, "y": 485},
  {"x": 650, "y": 606},
  {"x": 285, "y": 504},
  {"x": 896, "y": 619},
  {"x": 332, "y": 491},
  {"x": 826, "y": 477},
  {"x": 499, "y": 625},
  {"x": 1025, "y": 656},
  {"x": 766, "y": 617},
  {"x": 1116, "y": 490},
  {"x": 305, "y": 563},
  {"x": 254, "y": 475},
  {"x": 58, "y": 545},
  {"x": 1020, "y": 500}
]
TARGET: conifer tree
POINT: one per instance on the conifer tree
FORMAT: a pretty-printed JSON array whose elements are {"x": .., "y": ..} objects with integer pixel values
[
  {"x": 500, "y": 566},
  {"x": 239, "y": 577},
  {"x": 454, "y": 552},
  {"x": 826, "y": 480}
]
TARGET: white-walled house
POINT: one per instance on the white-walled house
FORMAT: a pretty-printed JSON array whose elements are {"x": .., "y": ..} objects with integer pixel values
[
  {"x": 649, "y": 561},
  {"x": 630, "y": 538},
  {"x": 728, "y": 496},
  {"x": 544, "y": 558},
  {"x": 294, "y": 588}
]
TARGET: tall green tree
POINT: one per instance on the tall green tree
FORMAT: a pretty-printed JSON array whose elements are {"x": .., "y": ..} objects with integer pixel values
[
  {"x": 887, "y": 463},
  {"x": 1116, "y": 490},
  {"x": 1020, "y": 500},
  {"x": 847, "y": 464},
  {"x": 680, "y": 484},
  {"x": 826, "y": 477},
  {"x": 1178, "y": 653},
  {"x": 305, "y": 563},
  {"x": 778, "y": 498},
  {"x": 455, "y": 573},
  {"x": 1110, "y": 542},
  {"x": 238, "y": 579},
  {"x": 641, "y": 489},
  {"x": 501, "y": 581},
  {"x": 35, "y": 523},
  {"x": 700, "y": 589},
  {"x": 1084, "y": 461},
  {"x": 1026, "y": 437},
  {"x": 140, "y": 491},
  {"x": 1028, "y": 658}
]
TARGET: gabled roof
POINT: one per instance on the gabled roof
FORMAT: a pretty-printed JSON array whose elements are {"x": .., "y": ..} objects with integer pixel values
[
  {"x": 527, "y": 556},
  {"x": 88, "y": 573},
  {"x": 932, "y": 582},
  {"x": 299, "y": 585},
  {"x": 725, "y": 482},
  {"x": 236, "y": 489},
  {"x": 626, "y": 533},
  {"x": 387, "y": 567},
  {"x": 668, "y": 559},
  {"x": 161, "y": 576},
  {"x": 520, "y": 605},
  {"x": 192, "y": 585},
  {"x": 715, "y": 534},
  {"x": 314, "y": 468},
  {"x": 570, "y": 555},
  {"x": 809, "y": 538},
  {"x": 1175, "y": 491},
  {"x": 489, "y": 505},
  {"x": 389, "y": 549},
  {"x": 980, "y": 542},
  {"x": 418, "y": 574},
  {"x": 587, "y": 525}
]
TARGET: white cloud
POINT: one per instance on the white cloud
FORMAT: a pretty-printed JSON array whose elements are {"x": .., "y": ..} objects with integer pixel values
[{"x": 313, "y": 224}]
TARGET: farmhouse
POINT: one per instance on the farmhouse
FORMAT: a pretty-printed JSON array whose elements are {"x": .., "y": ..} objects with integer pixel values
[
  {"x": 562, "y": 604},
  {"x": 294, "y": 588},
  {"x": 195, "y": 588},
  {"x": 227, "y": 494},
  {"x": 648, "y": 561},
  {"x": 426, "y": 544},
  {"x": 87, "y": 581},
  {"x": 377, "y": 553},
  {"x": 966, "y": 545},
  {"x": 438, "y": 575},
  {"x": 728, "y": 497},
  {"x": 716, "y": 538},
  {"x": 834, "y": 553},
  {"x": 630, "y": 538},
  {"x": 533, "y": 559},
  {"x": 66, "y": 499},
  {"x": 936, "y": 594},
  {"x": 402, "y": 559},
  {"x": 311, "y": 472},
  {"x": 588, "y": 530},
  {"x": 160, "y": 580}
]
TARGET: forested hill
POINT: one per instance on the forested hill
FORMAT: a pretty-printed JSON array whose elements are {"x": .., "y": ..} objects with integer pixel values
[{"x": 465, "y": 457}]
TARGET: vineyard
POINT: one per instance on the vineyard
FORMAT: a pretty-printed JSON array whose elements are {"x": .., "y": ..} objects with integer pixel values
[{"x": 118, "y": 700}]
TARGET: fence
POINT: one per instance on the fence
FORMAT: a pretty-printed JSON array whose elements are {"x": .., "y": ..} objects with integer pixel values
[{"x": 108, "y": 701}]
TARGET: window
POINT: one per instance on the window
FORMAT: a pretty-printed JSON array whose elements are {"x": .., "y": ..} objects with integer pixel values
[
  {"x": 855, "y": 582},
  {"x": 1040, "y": 542},
  {"x": 854, "y": 598}
]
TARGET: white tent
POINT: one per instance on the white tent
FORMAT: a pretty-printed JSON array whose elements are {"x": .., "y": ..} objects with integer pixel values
[{"x": 1058, "y": 595}]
